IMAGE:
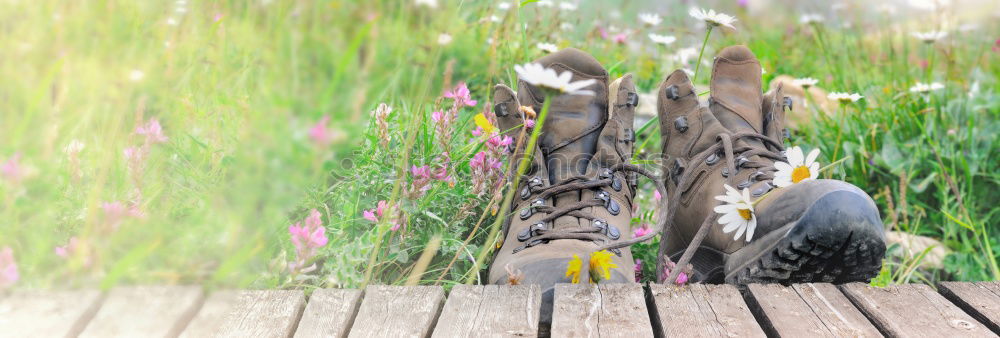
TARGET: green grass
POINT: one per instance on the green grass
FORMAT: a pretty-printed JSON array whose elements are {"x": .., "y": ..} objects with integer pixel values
[{"x": 237, "y": 95}]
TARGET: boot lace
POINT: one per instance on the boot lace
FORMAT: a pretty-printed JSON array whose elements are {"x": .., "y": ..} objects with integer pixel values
[
  {"x": 600, "y": 231},
  {"x": 736, "y": 158}
]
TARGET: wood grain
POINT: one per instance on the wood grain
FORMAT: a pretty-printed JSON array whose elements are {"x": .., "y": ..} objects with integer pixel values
[
  {"x": 398, "y": 311},
  {"x": 605, "y": 310},
  {"x": 808, "y": 310},
  {"x": 330, "y": 313},
  {"x": 491, "y": 311},
  {"x": 47, "y": 314},
  {"x": 981, "y": 300},
  {"x": 148, "y": 311},
  {"x": 213, "y": 312},
  {"x": 264, "y": 313},
  {"x": 913, "y": 310},
  {"x": 700, "y": 310}
]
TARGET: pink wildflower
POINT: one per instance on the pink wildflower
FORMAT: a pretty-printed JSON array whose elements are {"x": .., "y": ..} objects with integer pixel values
[
  {"x": 682, "y": 278},
  {"x": 620, "y": 38},
  {"x": 8, "y": 268},
  {"x": 11, "y": 169},
  {"x": 529, "y": 123},
  {"x": 657, "y": 196},
  {"x": 374, "y": 214},
  {"x": 638, "y": 270},
  {"x": 66, "y": 250},
  {"x": 307, "y": 238},
  {"x": 421, "y": 181},
  {"x": 461, "y": 95},
  {"x": 320, "y": 134},
  {"x": 641, "y": 231},
  {"x": 152, "y": 131},
  {"x": 217, "y": 17}
]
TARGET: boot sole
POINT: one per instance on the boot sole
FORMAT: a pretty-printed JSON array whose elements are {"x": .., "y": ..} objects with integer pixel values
[{"x": 815, "y": 249}]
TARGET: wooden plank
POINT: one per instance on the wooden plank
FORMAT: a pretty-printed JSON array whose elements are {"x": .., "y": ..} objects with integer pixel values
[
  {"x": 213, "y": 312},
  {"x": 913, "y": 310},
  {"x": 330, "y": 313},
  {"x": 808, "y": 310},
  {"x": 981, "y": 300},
  {"x": 699, "y": 310},
  {"x": 605, "y": 310},
  {"x": 47, "y": 313},
  {"x": 264, "y": 313},
  {"x": 398, "y": 311},
  {"x": 491, "y": 310},
  {"x": 148, "y": 311}
]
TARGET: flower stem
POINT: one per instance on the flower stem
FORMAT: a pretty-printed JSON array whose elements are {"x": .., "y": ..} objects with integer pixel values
[
  {"x": 522, "y": 167},
  {"x": 697, "y": 65}
]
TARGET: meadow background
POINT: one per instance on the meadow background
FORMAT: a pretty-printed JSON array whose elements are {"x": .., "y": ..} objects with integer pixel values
[{"x": 178, "y": 141}]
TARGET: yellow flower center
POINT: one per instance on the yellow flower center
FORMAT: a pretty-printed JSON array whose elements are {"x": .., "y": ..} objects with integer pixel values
[
  {"x": 800, "y": 173},
  {"x": 745, "y": 213}
]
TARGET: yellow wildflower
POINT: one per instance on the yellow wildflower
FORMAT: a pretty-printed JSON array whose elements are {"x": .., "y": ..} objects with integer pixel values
[
  {"x": 573, "y": 269},
  {"x": 484, "y": 123},
  {"x": 601, "y": 265}
]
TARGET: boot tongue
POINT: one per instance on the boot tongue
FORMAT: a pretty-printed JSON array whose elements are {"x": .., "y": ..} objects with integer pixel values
[
  {"x": 570, "y": 134},
  {"x": 736, "y": 90}
]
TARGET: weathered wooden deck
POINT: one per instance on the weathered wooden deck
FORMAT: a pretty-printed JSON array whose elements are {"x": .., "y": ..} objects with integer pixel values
[{"x": 624, "y": 310}]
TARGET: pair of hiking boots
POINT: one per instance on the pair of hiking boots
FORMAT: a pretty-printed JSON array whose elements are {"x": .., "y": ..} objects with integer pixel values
[{"x": 576, "y": 199}]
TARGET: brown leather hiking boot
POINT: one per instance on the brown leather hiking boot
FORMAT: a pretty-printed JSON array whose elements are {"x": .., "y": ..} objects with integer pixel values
[
  {"x": 817, "y": 230},
  {"x": 576, "y": 198}
]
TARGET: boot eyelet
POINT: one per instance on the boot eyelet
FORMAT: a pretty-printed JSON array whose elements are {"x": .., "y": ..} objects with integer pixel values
[
  {"x": 673, "y": 93},
  {"x": 526, "y": 213},
  {"x": 631, "y": 99},
  {"x": 616, "y": 184},
  {"x": 740, "y": 161},
  {"x": 743, "y": 185},
  {"x": 786, "y": 102},
  {"x": 756, "y": 176},
  {"x": 525, "y": 193},
  {"x": 681, "y": 124},
  {"x": 500, "y": 109},
  {"x": 786, "y": 133},
  {"x": 712, "y": 159},
  {"x": 677, "y": 170},
  {"x": 629, "y": 135},
  {"x": 762, "y": 190},
  {"x": 725, "y": 171},
  {"x": 613, "y": 232},
  {"x": 614, "y": 208},
  {"x": 535, "y": 182},
  {"x": 618, "y": 252}
]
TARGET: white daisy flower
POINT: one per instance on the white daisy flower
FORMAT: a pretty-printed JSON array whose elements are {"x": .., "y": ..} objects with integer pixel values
[
  {"x": 650, "y": 19},
  {"x": 427, "y": 3},
  {"x": 495, "y": 18},
  {"x": 172, "y": 21},
  {"x": 503, "y": 6},
  {"x": 926, "y": 88},
  {"x": 930, "y": 37},
  {"x": 662, "y": 39},
  {"x": 712, "y": 18},
  {"x": 74, "y": 147},
  {"x": 810, "y": 19},
  {"x": 136, "y": 75},
  {"x": 444, "y": 39},
  {"x": 737, "y": 213},
  {"x": 548, "y": 47},
  {"x": 684, "y": 55},
  {"x": 805, "y": 82},
  {"x": 546, "y": 78},
  {"x": 797, "y": 169},
  {"x": 845, "y": 97},
  {"x": 544, "y": 3},
  {"x": 567, "y": 6}
]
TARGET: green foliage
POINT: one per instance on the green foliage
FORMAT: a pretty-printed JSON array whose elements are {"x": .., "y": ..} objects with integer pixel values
[{"x": 237, "y": 84}]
